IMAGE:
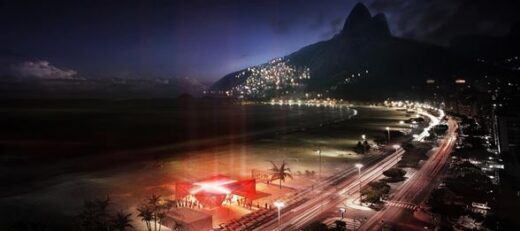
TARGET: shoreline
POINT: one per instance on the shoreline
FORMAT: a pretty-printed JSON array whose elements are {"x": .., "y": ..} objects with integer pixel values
[
  {"x": 129, "y": 183},
  {"x": 90, "y": 164}
]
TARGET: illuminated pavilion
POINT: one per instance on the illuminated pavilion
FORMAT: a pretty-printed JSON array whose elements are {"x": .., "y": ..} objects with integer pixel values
[{"x": 213, "y": 191}]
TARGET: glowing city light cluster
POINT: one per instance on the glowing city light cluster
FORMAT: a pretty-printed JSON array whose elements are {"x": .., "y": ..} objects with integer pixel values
[
  {"x": 277, "y": 77},
  {"x": 349, "y": 78},
  {"x": 422, "y": 109},
  {"x": 512, "y": 62},
  {"x": 328, "y": 102},
  {"x": 355, "y": 76}
]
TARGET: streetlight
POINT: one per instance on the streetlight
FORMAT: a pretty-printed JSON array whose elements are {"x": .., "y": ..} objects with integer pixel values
[
  {"x": 388, "y": 131},
  {"x": 359, "y": 166},
  {"x": 396, "y": 146},
  {"x": 279, "y": 205},
  {"x": 401, "y": 122},
  {"x": 318, "y": 151},
  {"x": 342, "y": 211},
  {"x": 364, "y": 137}
]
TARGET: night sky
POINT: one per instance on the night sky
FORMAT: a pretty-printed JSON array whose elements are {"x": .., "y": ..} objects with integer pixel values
[{"x": 208, "y": 39}]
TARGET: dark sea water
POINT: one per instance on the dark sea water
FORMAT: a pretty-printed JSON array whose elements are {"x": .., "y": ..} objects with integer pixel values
[
  {"x": 55, "y": 153},
  {"x": 41, "y": 139}
]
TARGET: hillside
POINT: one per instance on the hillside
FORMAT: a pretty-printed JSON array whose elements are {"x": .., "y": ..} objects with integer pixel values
[{"x": 362, "y": 61}]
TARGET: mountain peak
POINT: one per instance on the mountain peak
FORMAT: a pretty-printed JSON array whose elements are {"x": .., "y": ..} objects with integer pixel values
[
  {"x": 381, "y": 24},
  {"x": 360, "y": 10},
  {"x": 357, "y": 19},
  {"x": 361, "y": 23}
]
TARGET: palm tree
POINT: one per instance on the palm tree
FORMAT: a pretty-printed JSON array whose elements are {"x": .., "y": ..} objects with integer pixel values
[
  {"x": 160, "y": 217},
  {"x": 146, "y": 215},
  {"x": 280, "y": 173},
  {"x": 95, "y": 215},
  {"x": 154, "y": 210},
  {"x": 154, "y": 202},
  {"x": 121, "y": 221}
]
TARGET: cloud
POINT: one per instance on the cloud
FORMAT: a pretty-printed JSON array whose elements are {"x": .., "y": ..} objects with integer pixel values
[
  {"x": 280, "y": 26},
  {"x": 417, "y": 19},
  {"x": 317, "y": 23},
  {"x": 442, "y": 20},
  {"x": 42, "y": 70},
  {"x": 334, "y": 28}
]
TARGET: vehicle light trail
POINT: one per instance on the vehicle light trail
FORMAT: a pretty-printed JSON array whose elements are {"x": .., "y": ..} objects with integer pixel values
[{"x": 416, "y": 189}]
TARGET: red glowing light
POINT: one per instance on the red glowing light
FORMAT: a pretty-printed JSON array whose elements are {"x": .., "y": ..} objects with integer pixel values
[
  {"x": 211, "y": 192},
  {"x": 215, "y": 187}
]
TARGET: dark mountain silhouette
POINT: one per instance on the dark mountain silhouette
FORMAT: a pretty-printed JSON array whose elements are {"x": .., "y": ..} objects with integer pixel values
[
  {"x": 361, "y": 23},
  {"x": 381, "y": 65}
]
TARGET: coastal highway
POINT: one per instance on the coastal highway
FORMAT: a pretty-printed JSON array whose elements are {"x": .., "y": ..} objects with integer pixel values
[
  {"x": 307, "y": 205},
  {"x": 330, "y": 195},
  {"x": 416, "y": 189}
]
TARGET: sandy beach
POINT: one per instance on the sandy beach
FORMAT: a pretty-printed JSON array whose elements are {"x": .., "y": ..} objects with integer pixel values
[{"x": 334, "y": 131}]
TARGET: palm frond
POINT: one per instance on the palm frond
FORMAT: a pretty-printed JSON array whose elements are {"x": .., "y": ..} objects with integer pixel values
[
  {"x": 289, "y": 175},
  {"x": 274, "y": 165}
]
